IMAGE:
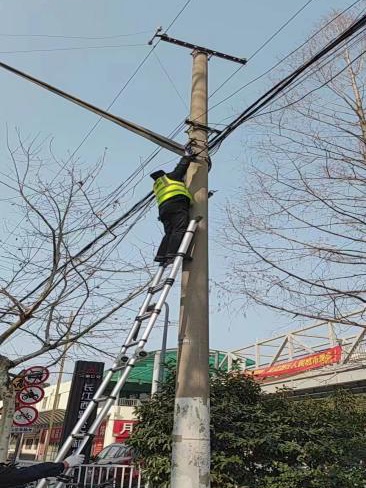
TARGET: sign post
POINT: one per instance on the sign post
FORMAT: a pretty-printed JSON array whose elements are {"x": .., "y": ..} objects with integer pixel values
[{"x": 18, "y": 446}]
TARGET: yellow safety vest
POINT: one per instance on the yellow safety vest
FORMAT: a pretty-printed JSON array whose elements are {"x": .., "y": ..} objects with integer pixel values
[{"x": 165, "y": 188}]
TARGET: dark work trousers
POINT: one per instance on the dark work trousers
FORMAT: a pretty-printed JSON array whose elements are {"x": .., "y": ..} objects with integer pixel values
[{"x": 174, "y": 214}]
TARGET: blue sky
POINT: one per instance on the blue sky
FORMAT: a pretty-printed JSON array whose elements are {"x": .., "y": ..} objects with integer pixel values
[{"x": 237, "y": 27}]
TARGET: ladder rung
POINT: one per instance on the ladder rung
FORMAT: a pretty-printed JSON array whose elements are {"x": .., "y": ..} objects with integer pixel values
[
  {"x": 82, "y": 436},
  {"x": 144, "y": 316},
  {"x": 79, "y": 436},
  {"x": 147, "y": 315},
  {"x": 119, "y": 368},
  {"x": 155, "y": 289},
  {"x": 127, "y": 346},
  {"x": 105, "y": 398},
  {"x": 160, "y": 286}
]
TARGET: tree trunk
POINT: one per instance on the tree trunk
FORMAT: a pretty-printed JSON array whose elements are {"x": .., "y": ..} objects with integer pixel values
[{"x": 7, "y": 395}]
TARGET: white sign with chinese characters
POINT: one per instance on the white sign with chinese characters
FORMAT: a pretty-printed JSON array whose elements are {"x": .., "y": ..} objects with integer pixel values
[{"x": 22, "y": 430}]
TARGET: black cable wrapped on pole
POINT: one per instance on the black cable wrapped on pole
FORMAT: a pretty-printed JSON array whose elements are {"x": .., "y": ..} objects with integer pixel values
[{"x": 131, "y": 126}]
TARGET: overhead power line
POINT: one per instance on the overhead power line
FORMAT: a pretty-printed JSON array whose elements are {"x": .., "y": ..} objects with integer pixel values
[
  {"x": 122, "y": 89},
  {"x": 140, "y": 206},
  {"x": 271, "y": 94},
  {"x": 123, "y": 186},
  {"x": 75, "y": 48},
  {"x": 166, "y": 72},
  {"x": 361, "y": 36},
  {"x": 178, "y": 15},
  {"x": 125, "y": 85},
  {"x": 54, "y": 36},
  {"x": 242, "y": 87},
  {"x": 262, "y": 46},
  {"x": 146, "y": 133}
]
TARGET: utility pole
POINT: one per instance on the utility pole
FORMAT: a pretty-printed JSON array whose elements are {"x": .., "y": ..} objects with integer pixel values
[{"x": 191, "y": 431}]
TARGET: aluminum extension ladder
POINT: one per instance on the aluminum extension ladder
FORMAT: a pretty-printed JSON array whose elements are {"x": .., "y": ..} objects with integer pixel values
[{"x": 125, "y": 361}]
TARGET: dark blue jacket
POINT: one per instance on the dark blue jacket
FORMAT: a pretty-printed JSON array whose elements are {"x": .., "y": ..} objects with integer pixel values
[{"x": 11, "y": 476}]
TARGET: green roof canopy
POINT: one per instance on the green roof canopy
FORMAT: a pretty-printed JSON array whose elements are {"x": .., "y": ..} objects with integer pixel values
[{"x": 142, "y": 372}]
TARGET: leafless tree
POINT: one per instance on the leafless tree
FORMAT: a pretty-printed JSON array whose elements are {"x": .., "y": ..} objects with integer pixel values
[
  {"x": 297, "y": 231},
  {"x": 50, "y": 293}
]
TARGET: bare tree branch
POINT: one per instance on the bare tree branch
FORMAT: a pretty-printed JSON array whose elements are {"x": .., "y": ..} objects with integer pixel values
[{"x": 296, "y": 234}]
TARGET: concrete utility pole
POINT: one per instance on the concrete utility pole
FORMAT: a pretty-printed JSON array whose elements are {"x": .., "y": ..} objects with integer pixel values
[{"x": 191, "y": 433}]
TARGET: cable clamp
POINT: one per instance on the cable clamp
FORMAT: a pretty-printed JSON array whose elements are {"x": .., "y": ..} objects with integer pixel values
[{"x": 197, "y": 125}]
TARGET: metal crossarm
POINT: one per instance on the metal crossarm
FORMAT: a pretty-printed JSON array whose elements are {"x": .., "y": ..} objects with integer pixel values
[{"x": 126, "y": 360}]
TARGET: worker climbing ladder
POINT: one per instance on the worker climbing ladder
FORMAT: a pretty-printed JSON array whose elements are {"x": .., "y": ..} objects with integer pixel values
[{"x": 126, "y": 360}]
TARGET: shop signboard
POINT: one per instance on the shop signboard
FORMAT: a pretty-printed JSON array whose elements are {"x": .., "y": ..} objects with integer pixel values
[
  {"x": 122, "y": 429},
  {"x": 85, "y": 382}
]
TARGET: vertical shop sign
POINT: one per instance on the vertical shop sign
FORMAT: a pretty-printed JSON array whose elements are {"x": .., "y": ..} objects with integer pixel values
[
  {"x": 85, "y": 381},
  {"x": 98, "y": 442}
]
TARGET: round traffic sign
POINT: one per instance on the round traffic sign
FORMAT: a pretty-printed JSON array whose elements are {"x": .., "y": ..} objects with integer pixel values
[
  {"x": 36, "y": 375},
  {"x": 30, "y": 395},
  {"x": 25, "y": 416}
]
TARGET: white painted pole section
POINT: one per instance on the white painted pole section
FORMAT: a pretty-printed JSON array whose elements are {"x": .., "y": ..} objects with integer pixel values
[
  {"x": 190, "y": 462},
  {"x": 156, "y": 373}
]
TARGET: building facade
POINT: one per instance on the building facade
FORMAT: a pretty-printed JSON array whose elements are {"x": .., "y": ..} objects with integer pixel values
[{"x": 42, "y": 441}]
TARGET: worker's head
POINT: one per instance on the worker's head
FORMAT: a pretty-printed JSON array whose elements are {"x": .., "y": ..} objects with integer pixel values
[{"x": 157, "y": 174}]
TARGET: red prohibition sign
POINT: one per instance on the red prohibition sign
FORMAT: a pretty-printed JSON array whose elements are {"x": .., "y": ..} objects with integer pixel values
[
  {"x": 30, "y": 395},
  {"x": 36, "y": 375},
  {"x": 25, "y": 416}
]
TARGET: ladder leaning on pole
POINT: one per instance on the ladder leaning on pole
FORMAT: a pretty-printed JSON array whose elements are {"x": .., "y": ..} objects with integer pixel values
[{"x": 125, "y": 361}]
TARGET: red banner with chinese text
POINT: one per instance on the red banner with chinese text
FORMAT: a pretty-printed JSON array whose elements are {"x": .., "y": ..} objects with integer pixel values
[
  {"x": 305, "y": 363},
  {"x": 122, "y": 429},
  {"x": 98, "y": 441}
]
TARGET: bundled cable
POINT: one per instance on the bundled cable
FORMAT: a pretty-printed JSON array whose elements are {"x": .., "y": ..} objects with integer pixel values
[
  {"x": 141, "y": 131},
  {"x": 271, "y": 94}
]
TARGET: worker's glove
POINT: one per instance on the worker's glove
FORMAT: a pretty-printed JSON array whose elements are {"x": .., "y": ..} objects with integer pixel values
[
  {"x": 188, "y": 150},
  {"x": 74, "y": 460},
  {"x": 187, "y": 159}
]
